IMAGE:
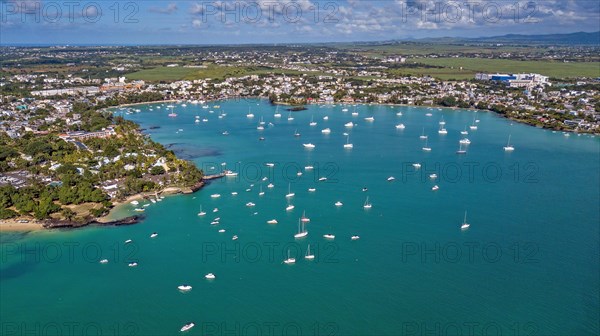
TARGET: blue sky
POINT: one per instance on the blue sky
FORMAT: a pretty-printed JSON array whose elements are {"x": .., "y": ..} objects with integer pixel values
[{"x": 283, "y": 21}]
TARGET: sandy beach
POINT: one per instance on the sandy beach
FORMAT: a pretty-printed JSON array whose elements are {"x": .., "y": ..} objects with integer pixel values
[{"x": 7, "y": 225}]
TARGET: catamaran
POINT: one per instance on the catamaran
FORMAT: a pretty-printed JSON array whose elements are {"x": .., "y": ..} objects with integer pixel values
[{"x": 508, "y": 147}]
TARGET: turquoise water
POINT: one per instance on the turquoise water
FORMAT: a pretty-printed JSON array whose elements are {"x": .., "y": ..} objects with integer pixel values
[{"x": 528, "y": 264}]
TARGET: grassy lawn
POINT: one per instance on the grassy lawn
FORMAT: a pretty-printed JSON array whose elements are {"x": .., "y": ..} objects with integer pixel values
[{"x": 473, "y": 65}]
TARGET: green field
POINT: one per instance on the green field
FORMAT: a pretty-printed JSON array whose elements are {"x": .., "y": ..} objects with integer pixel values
[
  {"x": 216, "y": 72},
  {"x": 470, "y": 66}
]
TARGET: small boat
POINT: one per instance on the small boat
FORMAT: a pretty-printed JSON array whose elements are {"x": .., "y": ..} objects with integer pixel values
[
  {"x": 426, "y": 148},
  {"x": 473, "y": 126},
  {"x": 464, "y": 132},
  {"x": 312, "y": 122},
  {"x": 461, "y": 150},
  {"x": 128, "y": 241},
  {"x": 235, "y": 237},
  {"x": 442, "y": 130},
  {"x": 268, "y": 164},
  {"x": 184, "y": 288},
  {"x": 304, "y": 219},
  {"x": 465, "y": 141},
  {"x": 133, "y": 264},
  {"x": 416, "y": 165},
  {"x": 355, "y": 238},
  {"x": 297, "y": 134},
  {"x": 428, "y": 114},
  {"x": 250, "y": 204},
  {"x": 344, "y": 110},
  {"x": 321, "y": 179},
  {"x": 442, "y": 122},
  {"x": 348, "y": 145},
  {"x": 215, "y": 195},
  {"x": 210, "y": 276},
  {"x": 222, "y": 230},
  {"x": 367, "y": 205},
  {"x": 339, "y": 204},
  {"x": 365, "y": 189},
  {"x": 301, "y": 231},
  {"x": 433, "y": 176},
  {"x": 309, "y": 145},
  {"x": 139, "y": 209},
  {"x": 312, "y": 189},
  {"x": 350, "y": 124},
  {"x": 290, "y": 193},
  {"x": 390, "y": 179},
  {"x": 435, "y": 188},
  {"x": 272, "y": 221},
  {"x": 214, "y": 223},
  {"x": 325, "y": 118},
  {"x": 290, "y": 207},
  {"x": 270, "y": 185},
  {"x": 290, "y": 118},
  {"x": 309, "y": 256},
  {"x": 104, "y": 261},
  {"x": 154, "y": 235},
  {"x": 465, "y": 225},
  {"x": 329, "y": 236},
  {"x": 230, "y": 173},
  {"x": 369, "y": 119},
  {"x": 216, "y": 210},
  {"x": 399, "y": 114},
  {"x": 309, "y": 168},
  {"x": 289, "y": 260},
  {"x": 326, "y": 131},
  {"x": 355, "y": 114},
  {"x": 261, "y": 192},
  {"x": 250, "y": 115},
  {"x": 135, "y": 202},
  {"x": 400, "y": 126},
  {"x": 508, "y": 147},
  {"x": 423, "y": 136},
  {"x": 234, "y": 193}
]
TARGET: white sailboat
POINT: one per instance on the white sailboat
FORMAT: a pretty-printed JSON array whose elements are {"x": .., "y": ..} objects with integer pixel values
[
  {"x": 326, "y": 131},
  {"x": 426, "y": 148},
  {"x": 473, "y": 126},
  {"x": 461, "y": 150},
  {"x": 312, "y": 121},
  {"x": 400, "y": 126},
  {"x": 508, "y": 147},
  {"x": 309, "y": 256},
  {"x": 348, "y": 145},
  {"x": 277, "y": 114},
  {"x": 301, "y": 230},
  {"x": 442, "y": 130},
  {"x": 423, "y": 136},
  {"x": 465, "y": 225},
  {"x": 290, "y": 193},
  {"x": 289, "y": 259},
  {"x": 290, "y": 118},
  {"x": 367, "y": 205},
  {"x": 464, "y": 132}
]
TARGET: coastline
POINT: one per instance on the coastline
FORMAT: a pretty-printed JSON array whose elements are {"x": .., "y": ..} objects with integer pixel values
[{"x": 380, "y": 104}]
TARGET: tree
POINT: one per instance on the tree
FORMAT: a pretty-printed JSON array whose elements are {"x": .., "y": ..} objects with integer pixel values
[{"x": 157, "y": 170}]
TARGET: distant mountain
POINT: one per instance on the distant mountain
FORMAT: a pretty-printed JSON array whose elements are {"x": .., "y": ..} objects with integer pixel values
[{"x": 578, "y": 38}]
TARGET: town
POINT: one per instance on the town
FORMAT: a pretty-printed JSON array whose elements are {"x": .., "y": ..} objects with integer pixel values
[{"x": 57, "y": 96}]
